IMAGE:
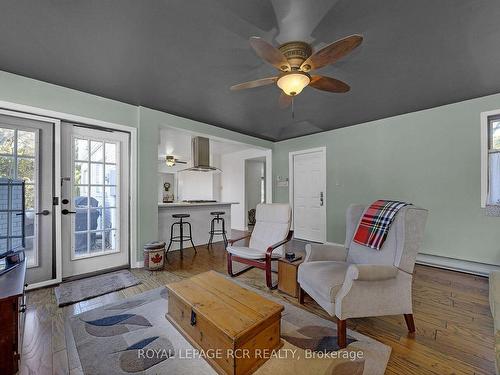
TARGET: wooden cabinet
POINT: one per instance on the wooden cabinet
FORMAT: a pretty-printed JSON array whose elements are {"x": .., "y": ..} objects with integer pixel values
[
  {"x": 287, "y": 276},
  {"x": 233, "y": 325},
  {"x": 11, "y": 318}
]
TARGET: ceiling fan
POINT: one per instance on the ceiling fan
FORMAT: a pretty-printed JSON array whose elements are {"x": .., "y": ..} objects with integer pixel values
[
  {"x": 295, "y": 61},
  {"x": 170, "y": 161}
]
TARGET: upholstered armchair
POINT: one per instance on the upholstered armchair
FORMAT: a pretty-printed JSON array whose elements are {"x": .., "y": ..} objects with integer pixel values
[
  {"x": 355, "y": 281},
  {"x": 270, "y": 233}
]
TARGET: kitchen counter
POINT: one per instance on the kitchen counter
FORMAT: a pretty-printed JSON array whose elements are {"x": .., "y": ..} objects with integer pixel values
[
  {"x": 199, "y": 219},
  {"x": 188, "y": 204}
]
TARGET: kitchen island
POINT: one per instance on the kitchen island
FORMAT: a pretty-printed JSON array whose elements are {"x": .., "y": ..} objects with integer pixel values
[{"x": 200, "y": 220}]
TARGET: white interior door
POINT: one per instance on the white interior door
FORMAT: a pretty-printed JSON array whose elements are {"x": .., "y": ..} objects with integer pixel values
[
  {"x": 27, "y": 153},
  {"x": 95, "y": 200},
  {"x": 309, "y": 196}
]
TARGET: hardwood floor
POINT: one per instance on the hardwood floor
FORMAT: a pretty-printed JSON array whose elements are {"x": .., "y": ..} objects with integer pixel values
[{"x": 452, "y": 316}]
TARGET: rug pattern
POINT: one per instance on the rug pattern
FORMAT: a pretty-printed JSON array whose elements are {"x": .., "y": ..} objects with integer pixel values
[{"x": 110, "y": 340}]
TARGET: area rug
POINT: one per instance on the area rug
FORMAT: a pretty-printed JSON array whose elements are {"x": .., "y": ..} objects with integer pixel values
[
  {"x": 80, "y": 290},
  {"x": 133, "y": 336}
]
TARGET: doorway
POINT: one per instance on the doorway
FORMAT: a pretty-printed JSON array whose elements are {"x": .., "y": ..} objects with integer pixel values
[
  {"x": 255, "y": 187},
  {"x": 307, "y": 171},
  {"x": 94, "y": 200}
]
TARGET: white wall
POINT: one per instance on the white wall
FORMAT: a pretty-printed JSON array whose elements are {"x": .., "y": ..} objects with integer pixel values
[
  {"x": 195, "y": 185},
  {"x": 216, "y": 178},
  {"x": 233, "y": 182}
]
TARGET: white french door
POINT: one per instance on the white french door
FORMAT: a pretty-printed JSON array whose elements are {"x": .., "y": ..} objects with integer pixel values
[
  {"x": 308, "y": 194},
  {"x": 94, "y": 199},
  {"x": 27, "y": 153}
]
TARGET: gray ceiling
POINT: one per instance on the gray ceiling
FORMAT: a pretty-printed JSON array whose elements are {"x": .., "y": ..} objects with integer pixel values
[{"x": 181, "y": 56}]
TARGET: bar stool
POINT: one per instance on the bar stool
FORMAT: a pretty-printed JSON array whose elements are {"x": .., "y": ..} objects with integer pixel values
[
  {"x": 181, "y": 237},
  {"x": 217, "y": 232}
]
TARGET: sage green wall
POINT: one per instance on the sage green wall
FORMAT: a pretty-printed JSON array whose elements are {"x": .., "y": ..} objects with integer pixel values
[
  {"x": 430, "y": 158},
  {"x": 26, "y": 91}
]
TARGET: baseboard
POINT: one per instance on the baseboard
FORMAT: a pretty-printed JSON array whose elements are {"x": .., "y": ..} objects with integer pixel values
[
  {"x": 137, "y": 264},
  {"x": 466, "y": 266}
]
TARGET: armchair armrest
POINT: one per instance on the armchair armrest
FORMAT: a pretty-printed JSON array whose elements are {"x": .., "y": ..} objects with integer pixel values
[
  {"x": 271, "y": 248},
  {"x": 371, "y": 272},
  {"x": 332, "y": 252},
  {"x": 231, "y": 242}
]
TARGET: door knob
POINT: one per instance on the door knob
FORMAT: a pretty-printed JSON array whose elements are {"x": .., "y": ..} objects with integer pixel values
[
  {"x": 321, "y": 199},
  {"x": 44, "y": 213},
  {"x": 66, "y": 212}
]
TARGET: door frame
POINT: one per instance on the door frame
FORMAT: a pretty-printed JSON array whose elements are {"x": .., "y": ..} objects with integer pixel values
[
  {"x": 291, "y": 165},
  {"x": 57, "y": 117},
  {"x": 57, "y": 189}
]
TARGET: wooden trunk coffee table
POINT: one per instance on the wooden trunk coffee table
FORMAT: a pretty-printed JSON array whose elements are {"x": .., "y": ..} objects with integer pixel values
[{"x": 214, "y": 313}]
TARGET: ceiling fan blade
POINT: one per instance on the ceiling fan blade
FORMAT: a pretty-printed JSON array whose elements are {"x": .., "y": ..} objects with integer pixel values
[
  {"x": 256, "y": 83},
  {"x": 331, "y": 53},
  {"x": 284, "y": 100},
  {"x": 269, "y": 53},
  {"x": 328, "y": 84}
]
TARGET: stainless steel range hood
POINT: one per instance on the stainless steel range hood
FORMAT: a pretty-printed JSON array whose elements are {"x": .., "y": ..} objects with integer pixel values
[{"x": 201, "y": 156}]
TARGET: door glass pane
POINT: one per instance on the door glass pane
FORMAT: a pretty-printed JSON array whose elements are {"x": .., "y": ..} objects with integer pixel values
[
  {"x": 29, "y": 224},
  {"x": 96, "y": 242},
  {"x": 110, "y": 175},
  {"x": 96, "y": 173},
  {"x": 110, "y": 196},
  {"x": 29, "y": 197},
  {"x": 81, "y": 149},
  {"x": 81, "y": 220},
  {"x": 26, "y": 169},
  {"x": 110, "y": 240},
  {"x": 96, "y": 218},
  {"x": 80, "y": 195},
  {"x": 110, "y": 218},
  {"x": 96, "y": 196},
  {"x": 6, "y": 166},
  {"x": 26, "y": 143},
  {"x": 81, "y": 176},
  {"x": 110, "y": 153},
  {"x": 7, "y": 141},
  {"x": 96, "y": 151},
  {"x": 81, "y": 245}
]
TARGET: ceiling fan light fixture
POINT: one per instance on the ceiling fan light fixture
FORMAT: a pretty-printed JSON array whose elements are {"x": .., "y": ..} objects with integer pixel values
[
  {"x": 293, "y": 83},
  {"x": 169, "y": 161}
]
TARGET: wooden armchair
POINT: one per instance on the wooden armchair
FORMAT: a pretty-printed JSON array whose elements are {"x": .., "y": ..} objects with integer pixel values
[{"x": 271, "y": 232}]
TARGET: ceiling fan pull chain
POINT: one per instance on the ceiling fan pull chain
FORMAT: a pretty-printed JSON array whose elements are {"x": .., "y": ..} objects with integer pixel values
[{"x": 293, "y": 110}]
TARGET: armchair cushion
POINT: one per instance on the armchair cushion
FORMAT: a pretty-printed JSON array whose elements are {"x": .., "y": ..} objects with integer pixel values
[
  {"x": 250, "y": 253},
  {"x": 315, "y": 252},
  {"x": 371, "y": 272},
  {"x": 324, "y": 277},
  {"x": 272, "y": 226}
]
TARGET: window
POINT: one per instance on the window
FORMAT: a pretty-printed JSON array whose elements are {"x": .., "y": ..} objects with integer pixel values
[
  {"x": 18, "y": 150},
  {"x": 493, "y": 194},
  {"x": 95, "y": 197}
]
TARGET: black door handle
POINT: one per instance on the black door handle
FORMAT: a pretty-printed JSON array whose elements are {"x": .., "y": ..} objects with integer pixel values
[
  {"x": 44, "y": 213},
  {"x": 65, "y": 212}
]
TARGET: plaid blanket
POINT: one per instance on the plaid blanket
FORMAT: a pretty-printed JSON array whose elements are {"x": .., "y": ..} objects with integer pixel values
[{"x": 374, "y": 226}]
